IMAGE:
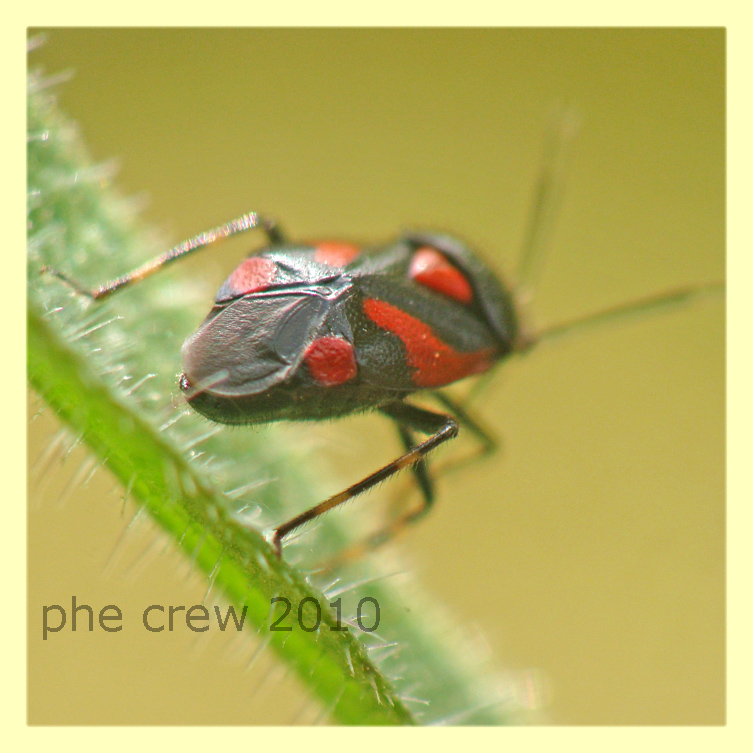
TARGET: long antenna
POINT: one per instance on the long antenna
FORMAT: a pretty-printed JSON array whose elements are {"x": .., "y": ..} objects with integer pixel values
[
  {"x": 668, "y": 300},
  {"x": 563, "y": 128}
]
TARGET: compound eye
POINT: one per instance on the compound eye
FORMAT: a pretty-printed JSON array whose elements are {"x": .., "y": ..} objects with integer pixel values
[{"x": 430, "y": 268}]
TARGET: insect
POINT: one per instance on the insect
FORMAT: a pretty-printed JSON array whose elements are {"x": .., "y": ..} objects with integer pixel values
[{"x": 322, "y": 330}]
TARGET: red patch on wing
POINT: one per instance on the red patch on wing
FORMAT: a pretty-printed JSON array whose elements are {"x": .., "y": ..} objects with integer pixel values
[
  {"x": 431, "y": 269},
  {"x": 435, "y": 362},
  {"x": 254, "y": 274},
  {"x": 336, "y": 254},
  {"x": 331, "y": 361}
]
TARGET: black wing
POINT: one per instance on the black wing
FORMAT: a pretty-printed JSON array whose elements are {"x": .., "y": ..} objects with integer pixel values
[{"x": 254, "y": 343}]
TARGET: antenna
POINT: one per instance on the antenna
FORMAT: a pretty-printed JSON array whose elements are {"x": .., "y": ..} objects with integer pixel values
[
  {"x": 562, "y": 130},
  {"x": 667, "y": 300}
]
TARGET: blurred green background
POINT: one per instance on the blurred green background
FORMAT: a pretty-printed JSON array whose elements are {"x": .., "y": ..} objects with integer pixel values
[{"x": 592, "y": 547}]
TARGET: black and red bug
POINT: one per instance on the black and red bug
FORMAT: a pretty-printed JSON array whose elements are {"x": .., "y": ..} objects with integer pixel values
[
  {"x": 317, "y": 331},
  {"x": 322, "y": 330},
  {"x": 307, "y": 332}
]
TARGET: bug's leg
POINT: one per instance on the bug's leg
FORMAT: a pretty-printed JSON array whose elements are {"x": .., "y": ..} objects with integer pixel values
[
  {"x": 439, "y": 429},
  {"x": 419, "y": 469},
  {"x": 274, "y": 234},
  {"x": 239, "y": 225},
  {"x": 383, "y": 535},
  {"x": 488, "y": 443},
  {"x": 404, "y": 518}
]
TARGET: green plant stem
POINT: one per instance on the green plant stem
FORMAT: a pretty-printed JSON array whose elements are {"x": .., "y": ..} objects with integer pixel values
[{"x": 87, "y": 361}]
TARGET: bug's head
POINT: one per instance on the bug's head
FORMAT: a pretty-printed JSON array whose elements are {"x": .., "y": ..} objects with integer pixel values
[{"x": 469, "y": 280}]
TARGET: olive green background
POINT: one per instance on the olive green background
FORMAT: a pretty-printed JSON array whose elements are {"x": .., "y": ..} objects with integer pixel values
[{"x": 591, "y": 549}]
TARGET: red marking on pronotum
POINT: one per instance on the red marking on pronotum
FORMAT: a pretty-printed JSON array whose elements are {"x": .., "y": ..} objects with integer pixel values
[
  {"x": 255, "y": 274},
  {"x": 431, "y": 269},
  {"x": 435, "y": 362},
  {"x": 335, "y": 253},
  {"x": 331, "y": 361}
]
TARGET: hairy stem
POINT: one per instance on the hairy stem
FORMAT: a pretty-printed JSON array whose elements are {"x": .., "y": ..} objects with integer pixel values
[{"x": 108, "y": 370}]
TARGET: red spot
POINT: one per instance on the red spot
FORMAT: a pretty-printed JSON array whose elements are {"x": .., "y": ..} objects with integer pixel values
[
  {"x": 256, "y": 273},
  {"x": 336, "y": 254},
  {"x": 435, "y": 362},
  {"x": 331, "y": 361},
  {"x": 431, "y": 269}
]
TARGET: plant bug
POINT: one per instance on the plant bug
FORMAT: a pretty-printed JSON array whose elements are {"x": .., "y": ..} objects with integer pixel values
[
  {"x": 313, "y": 331},
  {"x": 317, "y": 331}
]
